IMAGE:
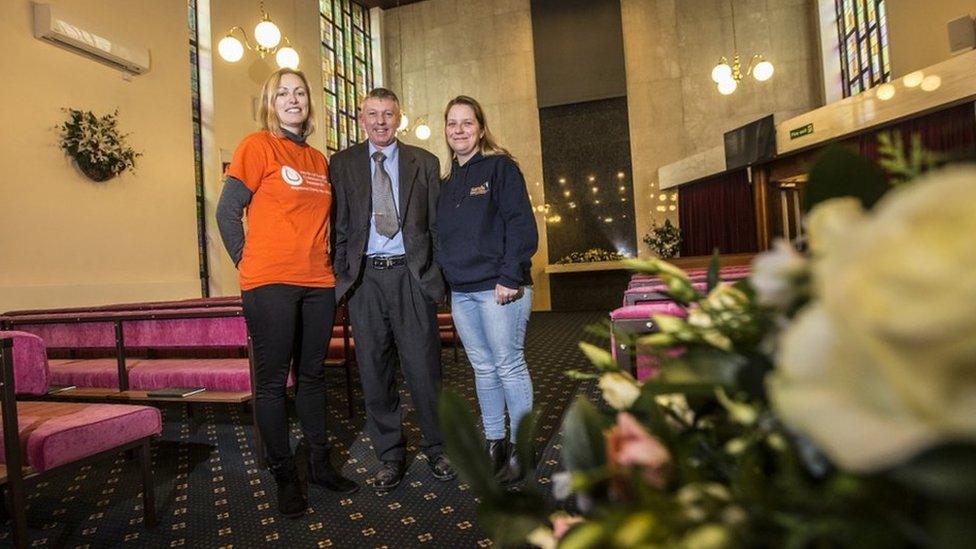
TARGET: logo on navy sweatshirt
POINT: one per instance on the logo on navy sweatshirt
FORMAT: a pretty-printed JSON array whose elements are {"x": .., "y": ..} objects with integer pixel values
[{"x": 480, "y": 189}]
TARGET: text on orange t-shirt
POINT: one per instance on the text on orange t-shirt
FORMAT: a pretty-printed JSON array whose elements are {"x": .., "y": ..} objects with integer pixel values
[{"x": 288, "y": 217}]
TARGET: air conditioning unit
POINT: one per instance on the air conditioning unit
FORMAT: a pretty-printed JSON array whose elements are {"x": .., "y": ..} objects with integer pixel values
[{"x": 48, "y": 26}]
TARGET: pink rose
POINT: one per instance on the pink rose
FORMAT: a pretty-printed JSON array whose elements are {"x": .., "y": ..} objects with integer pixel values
[
  {"x": 630, "y": 445},
  {"x": 561, "y": 523}
]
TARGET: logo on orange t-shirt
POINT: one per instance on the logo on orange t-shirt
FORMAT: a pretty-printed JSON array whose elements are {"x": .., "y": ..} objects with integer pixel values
[{"x": 291, "y": 176}]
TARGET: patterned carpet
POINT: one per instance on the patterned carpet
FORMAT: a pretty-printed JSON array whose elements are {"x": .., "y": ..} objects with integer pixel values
[{"x": 210, "y": 493}]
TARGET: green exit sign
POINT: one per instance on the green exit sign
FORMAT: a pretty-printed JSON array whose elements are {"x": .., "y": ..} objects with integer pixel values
[{"x": 801, "y": 131}]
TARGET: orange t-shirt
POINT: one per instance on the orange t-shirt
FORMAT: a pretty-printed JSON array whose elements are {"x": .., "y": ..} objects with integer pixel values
[{"x": 288, "y": 217}]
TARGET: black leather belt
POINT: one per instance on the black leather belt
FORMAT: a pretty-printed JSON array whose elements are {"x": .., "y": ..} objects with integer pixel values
[{"x": 387, "y": 262}]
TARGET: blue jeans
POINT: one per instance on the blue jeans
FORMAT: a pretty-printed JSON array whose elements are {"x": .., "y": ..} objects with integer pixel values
[{"x": 493, "y": 336}]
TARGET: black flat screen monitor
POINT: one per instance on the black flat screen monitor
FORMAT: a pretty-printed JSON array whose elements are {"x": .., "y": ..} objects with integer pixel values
[{"x": 751, "y": 143}]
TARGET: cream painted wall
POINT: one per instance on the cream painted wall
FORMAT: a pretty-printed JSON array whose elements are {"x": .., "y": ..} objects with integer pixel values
[
  {"x": 66, "y": 240},
  {"x": 236, "y": 91},
  {"x": 481, "y": 48},
  {"x": 670, "y": 47},
  {"x": 917, "y": 31}
]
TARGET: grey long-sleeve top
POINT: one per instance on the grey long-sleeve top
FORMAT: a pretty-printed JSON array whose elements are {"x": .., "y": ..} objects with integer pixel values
[{"x": 230, "y": 213}]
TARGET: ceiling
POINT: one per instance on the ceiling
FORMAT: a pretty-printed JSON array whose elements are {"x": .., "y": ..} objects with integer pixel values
[{"x": 387, "y": 4}]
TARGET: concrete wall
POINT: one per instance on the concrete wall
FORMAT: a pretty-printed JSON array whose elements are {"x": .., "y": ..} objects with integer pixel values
[
  {"x": 917, "y": 31},
  {"x": 481, "y": 48},
  {"x": 66, "y": 240},
  {"x": 675, "y": 110}
]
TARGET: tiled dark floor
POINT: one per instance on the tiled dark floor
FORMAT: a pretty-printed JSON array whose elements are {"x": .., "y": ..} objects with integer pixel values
[{"x": 210, "y": 493}]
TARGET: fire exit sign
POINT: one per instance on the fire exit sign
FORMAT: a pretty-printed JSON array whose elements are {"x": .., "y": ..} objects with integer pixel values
[{"x": 801, "y": 131}]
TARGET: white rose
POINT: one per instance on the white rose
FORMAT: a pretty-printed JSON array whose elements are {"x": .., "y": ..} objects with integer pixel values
[
  {"x": 619, "y": 389},
  {"x": 830, "y": 222},
  {"x": 884, "y": 364},
  {"x": 776, "y": 275}
]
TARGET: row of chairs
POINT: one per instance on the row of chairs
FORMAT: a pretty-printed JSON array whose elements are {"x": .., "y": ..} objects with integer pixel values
[
  {"x": 114, "y": 357},
  {"x": 645, "y": 296},
  {"x": 43, "y": 438}
]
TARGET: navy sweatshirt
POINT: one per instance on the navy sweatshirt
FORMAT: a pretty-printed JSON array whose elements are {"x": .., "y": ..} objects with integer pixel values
[{"x": 485, "y": 226}]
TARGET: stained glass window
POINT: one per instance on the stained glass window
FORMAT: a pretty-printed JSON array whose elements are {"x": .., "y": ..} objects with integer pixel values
[
  {"x": 863, "y": 38},
  {"x": 347, "y": 69},
  {"x": 191, "y": 7}
]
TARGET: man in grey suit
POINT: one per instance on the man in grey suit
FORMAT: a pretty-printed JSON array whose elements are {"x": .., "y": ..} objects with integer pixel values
[{"x": 384, "y": 236}]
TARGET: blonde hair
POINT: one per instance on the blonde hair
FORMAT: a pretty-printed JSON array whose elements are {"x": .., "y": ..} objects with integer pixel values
[
  {"x": 267, "y": 113},
  {"x": 487, "y": 144}
]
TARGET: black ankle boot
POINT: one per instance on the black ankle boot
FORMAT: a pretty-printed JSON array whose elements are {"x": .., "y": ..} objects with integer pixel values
[
  {"x": 497, "y": 453},
  {"x": 512, "y": 473},
  {"x": 322, "y": 473},
  {"x": 291, "y": 499}
]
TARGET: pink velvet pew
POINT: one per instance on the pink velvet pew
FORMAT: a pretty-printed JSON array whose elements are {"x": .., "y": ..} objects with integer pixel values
[
  {"x": 43, "y": 438},
  {"x": 636, "y": 320},
  {"x": 203, "y": 327}
]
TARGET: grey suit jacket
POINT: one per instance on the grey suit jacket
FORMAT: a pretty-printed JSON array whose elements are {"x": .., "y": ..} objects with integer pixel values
[{"x": 349, "y": 172}]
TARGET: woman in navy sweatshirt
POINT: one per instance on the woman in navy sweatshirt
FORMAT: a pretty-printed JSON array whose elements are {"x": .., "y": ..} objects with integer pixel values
[{"x": 487, "y": 235}]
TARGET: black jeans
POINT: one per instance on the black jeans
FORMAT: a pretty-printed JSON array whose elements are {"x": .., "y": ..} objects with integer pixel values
[{"x": 289, "y": 323}]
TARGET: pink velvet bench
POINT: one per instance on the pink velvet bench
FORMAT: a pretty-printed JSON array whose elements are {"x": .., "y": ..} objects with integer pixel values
[
  {"x": 696, "y": 271},
  {"x": 196, "y": 302},
  {"x": 158, "y": 329},
  {"x": 41, "y": 439},
  {"x": 635, "y": 320},
  {"x": 157, "y": 345},
  {"x": 652, "y": 294},
  {"x": 651, "y": 290},
  {"x": 731, "y": 274}
]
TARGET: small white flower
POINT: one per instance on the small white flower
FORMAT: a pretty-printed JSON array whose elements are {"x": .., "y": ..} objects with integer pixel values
[
  {"x": 707, "y": 536},
  {"x": 542, "y": 537},
  {"x": 619, "y": 389},
  {"x": 717, "y": 339},
  {"x": 830, "y": 223},
  {"x": 776, "y": 275},
  {"x": 699, "y": 318},
  {"x": 562, "y": 485}
]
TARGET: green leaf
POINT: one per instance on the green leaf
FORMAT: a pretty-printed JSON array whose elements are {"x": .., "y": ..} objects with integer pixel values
[
  {"x": 510, "y": 520},
  {"x": 525, "y": 443},
  {"x": 841, "y": 172},
  {"x": 600, "y": 357},
  {"x": 712, "y": 279},
  {"x": 602, "y": 329},
  {"x": 465, "y": 445},
  {"x": 702, "y": 365},
  {"x": 583, "y": 444},
  {"x": 944, "y": 472},
  {"x": 584, "y": 536},
  {"x": 578, "y": 375}
]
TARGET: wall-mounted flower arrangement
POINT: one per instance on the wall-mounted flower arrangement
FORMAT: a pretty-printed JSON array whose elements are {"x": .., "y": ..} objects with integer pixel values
[{"x": 95, "y": 144}]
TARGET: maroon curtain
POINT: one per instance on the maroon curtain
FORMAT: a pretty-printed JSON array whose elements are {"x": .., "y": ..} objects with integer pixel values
[
  {"x": 717, "y": 212},
  {"x": 951, "y": 131}
]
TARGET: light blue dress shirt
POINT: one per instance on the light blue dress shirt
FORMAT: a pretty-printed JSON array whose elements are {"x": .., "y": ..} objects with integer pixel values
[{"x": 378, "y": 244}]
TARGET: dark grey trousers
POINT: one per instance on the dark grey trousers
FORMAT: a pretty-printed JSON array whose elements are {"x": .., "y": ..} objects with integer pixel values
[{"x": 390, "y": 314}]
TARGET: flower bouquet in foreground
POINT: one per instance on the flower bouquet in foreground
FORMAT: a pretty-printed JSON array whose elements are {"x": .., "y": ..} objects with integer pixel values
[{"x": 827, "y": 401}]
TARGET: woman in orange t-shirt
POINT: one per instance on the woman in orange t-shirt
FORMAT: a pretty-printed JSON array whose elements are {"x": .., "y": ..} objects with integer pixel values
[{"x": 287, "y": 284}]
